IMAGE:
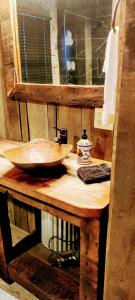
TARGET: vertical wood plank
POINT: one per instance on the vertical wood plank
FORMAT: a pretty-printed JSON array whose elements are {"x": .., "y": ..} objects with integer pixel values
[
  {"x": 102, "y": 144},
  {"x": 17, "y": 62},
  {"x": 101, "y": 139},
  {"x": 12, "y": 114},
  {"x": 17, "y": 213},
  {"x": 120, "y": 258},
  {"x": 70, "y": 118},
  {"x": 31, "y": 220},
  {"x": 11, "y": 210},
  {"x": 38, "y": 121},
  {"x": 89, "y": 258},
  {"x": 87, "y": 121},
  {"x": 52, "y": 121},
  {"x": 2, "y": 96},
  {"x": 23, "y": 218}
]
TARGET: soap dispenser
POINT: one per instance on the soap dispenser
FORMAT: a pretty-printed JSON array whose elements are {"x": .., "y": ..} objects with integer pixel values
[{"x": 83, "y": 149}]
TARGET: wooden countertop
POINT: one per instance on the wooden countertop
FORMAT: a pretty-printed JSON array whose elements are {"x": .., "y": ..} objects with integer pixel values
[{"x": 62, "y": 189}]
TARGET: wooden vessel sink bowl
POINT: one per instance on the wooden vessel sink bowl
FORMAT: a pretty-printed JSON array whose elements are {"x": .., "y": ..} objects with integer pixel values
[{"x": 38, "y": 153}]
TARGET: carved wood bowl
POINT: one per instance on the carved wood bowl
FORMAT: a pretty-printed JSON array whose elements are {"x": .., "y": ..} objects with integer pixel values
[{"x": 38, "y": 153}]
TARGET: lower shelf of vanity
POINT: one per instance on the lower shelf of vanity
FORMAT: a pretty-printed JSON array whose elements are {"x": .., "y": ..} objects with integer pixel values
[{"x": 33, "y": 271}]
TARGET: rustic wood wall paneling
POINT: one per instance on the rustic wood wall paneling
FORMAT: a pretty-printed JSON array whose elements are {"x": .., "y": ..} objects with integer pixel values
[
  {"x": 52, "y": 121},
  {"x": 12, "y": 115},
  {"x": 88, "y": 120},
  {"x": 38, "y": 122},
  {"x": 102, "y": 143},
  {"x": 31, "y": 220},
  {"x": 11, "y": 209},
  {"x": 70, "y": 118},
  {"x": 101, "y": 139},
  {"x": 74, "y": 119},
  {"x": 17, "y": 62},
  {"x": 24, "y": 218},
  {"x": 17, "y": 213},
  {"x": 2, "y": 96},
  {"x": 17, "y": 123}
]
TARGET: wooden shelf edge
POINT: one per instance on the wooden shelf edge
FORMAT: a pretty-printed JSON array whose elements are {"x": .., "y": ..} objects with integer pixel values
[
  {"x": 34, "y": 273},
  {"x": 65, "y": 95}
]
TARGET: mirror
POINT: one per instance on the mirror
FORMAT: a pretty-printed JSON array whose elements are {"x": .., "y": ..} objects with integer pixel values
[{"x": 63, "y": 42}]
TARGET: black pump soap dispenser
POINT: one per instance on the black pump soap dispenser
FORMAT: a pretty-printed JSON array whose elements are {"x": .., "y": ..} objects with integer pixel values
[{"x": 83, "y": 149}]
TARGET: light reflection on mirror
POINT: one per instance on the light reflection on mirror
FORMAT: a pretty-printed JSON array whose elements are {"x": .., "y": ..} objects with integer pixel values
[{"x": 63, "y": 42}]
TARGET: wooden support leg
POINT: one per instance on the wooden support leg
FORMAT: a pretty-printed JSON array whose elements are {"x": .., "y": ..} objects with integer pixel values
[
  {"x": 89, "y": 258},
  {"x": 32, "y": 239},
  {"x": 5, "y": 237}
]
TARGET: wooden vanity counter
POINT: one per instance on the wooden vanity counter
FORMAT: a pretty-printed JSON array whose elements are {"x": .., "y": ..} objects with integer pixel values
[{"x": 62, "y": 194}]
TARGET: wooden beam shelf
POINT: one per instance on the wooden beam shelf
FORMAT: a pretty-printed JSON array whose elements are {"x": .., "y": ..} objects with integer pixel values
[{"x": 66, "y": 95}]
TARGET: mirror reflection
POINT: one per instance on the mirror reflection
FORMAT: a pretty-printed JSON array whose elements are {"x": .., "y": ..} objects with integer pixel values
[{"x": 63, "y": 42}]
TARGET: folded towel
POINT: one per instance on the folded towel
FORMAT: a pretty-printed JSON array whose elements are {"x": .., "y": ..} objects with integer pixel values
[
  {"x": 93, "y": 174},
  {"x": 110, "y": 69}
]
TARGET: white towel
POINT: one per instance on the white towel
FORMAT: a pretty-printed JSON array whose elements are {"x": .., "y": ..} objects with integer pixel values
[{"x": 110, "y": 69}]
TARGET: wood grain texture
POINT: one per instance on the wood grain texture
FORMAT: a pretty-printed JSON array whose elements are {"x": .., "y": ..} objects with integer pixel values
[
  {"x": 120, "y": 260},
  {"x": 2, "y": 96},
  {"x": 88, "y": 121},
  {"x": 89, "y": 258},
  {"x": 37, "y": 121},
  {"x": 43, "y": 254},
  {"x": 11, "y": 210},
  {"x": 75, "y": 220},
  {"x": 70, "y": 118},
  {"x": 12, "y": 115},
  {"x": 91, "y": 96},
  {"x": 17, "y": 69},
  {"x": 45, "y": 281},
  {"x": 31, "y": 219},
  {"x": 102, "y": 142},
  {"x": 52, "y": 121}
]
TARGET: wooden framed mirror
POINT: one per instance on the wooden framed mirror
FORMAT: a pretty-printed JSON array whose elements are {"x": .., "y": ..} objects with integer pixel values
[{"x": 59, "y": 50}]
